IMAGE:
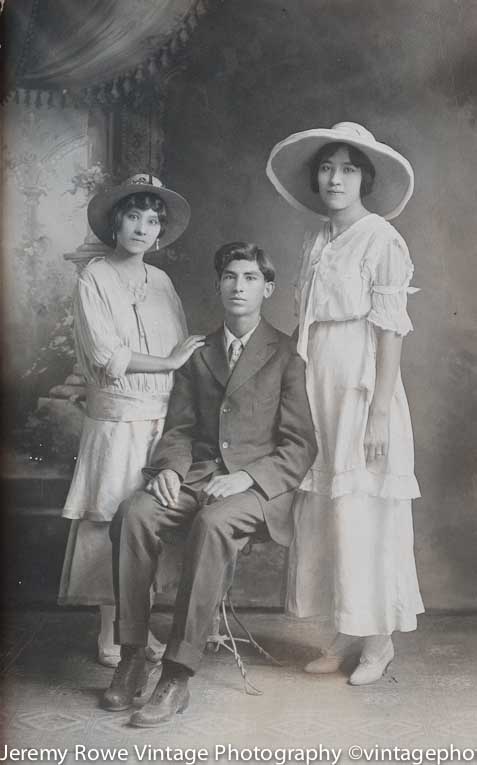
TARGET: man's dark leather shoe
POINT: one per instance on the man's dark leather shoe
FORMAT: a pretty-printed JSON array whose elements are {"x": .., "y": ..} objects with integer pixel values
[
  {"x": 170, "y": 697},
  {"x": 129, "y": 680}
]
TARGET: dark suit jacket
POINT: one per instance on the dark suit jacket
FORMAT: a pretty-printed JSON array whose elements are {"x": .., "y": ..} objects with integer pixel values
[{"x": 256, "y": 419}]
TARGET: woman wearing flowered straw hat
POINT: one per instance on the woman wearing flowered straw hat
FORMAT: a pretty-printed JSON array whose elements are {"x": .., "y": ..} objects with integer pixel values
[
  {"x": 131, "y": 335},
  {"x": 352, "y": 296}
]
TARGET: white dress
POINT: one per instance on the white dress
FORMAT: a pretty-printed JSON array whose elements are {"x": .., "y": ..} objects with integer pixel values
[
  {"x": 124, "y": 413},
  {"x": 352, "y": 556}
]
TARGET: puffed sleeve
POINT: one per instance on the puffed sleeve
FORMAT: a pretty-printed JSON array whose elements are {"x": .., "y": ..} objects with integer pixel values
[
  {"x": 389, "y": 272},
  {"x": 303, "y": 268},
  {"x": 95, "y": 331}
]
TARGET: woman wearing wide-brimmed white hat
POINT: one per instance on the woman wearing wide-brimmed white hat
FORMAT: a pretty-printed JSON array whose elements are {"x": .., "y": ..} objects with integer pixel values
[
  {"x": 355, "y": 502},
  {"x": 130, "y": 334}
]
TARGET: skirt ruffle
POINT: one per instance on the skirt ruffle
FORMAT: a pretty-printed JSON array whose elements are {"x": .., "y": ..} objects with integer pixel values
[{"x": 361, "y": 481}]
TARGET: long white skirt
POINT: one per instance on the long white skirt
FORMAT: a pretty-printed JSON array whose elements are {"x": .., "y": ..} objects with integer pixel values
[
  {"x": 111, "y": 457},
  {"x": 87, "y": 576},
  {"x": 109, "y": 469},
  {"x": 352, "y": 562}
]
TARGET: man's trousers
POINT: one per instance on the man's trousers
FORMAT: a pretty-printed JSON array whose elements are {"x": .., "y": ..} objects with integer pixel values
[{"x": 214, "y": 534}]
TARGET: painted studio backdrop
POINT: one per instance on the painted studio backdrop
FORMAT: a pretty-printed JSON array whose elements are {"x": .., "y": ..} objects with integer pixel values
[{"x": 200, "y": 90}]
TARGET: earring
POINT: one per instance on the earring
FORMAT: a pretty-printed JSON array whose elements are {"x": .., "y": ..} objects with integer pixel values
[
  {"x": 113, "y": 237},
  {"x": 157, "y": 243}
]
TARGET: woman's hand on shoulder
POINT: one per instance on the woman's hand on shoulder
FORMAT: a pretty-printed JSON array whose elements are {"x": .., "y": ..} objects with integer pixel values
[
  {"x": 376, "y": 439},
  {"x": 184, "y": 350}
]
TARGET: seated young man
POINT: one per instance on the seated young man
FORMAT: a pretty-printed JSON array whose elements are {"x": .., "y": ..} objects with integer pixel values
[{"x": 237, "y": 441}]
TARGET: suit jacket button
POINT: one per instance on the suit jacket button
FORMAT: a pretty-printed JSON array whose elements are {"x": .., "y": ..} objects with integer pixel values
[{"x": 225, "y": 445}]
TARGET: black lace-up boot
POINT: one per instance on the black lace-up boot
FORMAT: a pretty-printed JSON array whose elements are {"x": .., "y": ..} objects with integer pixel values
[
  {"x": 129, "y": 679},
  {"x": 170, "y": 697}
]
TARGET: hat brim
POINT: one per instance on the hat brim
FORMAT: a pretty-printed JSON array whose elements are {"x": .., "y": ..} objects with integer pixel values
[
  {"x": 101, "y": 205},
  {"x": 288, "y": 168}
]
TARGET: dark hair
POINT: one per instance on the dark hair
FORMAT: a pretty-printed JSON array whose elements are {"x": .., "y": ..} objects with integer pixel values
[
  {"x": 357, "y": 158},
  {"x": 243, "y": 251},
  {"x": 142, "y": 200}
]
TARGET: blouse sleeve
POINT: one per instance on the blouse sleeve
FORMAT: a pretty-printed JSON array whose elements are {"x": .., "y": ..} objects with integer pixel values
[
  {"x": 389, "y": 274},
  {"x": 302, "y": 275},
  {"x": 95, "y": 330}
]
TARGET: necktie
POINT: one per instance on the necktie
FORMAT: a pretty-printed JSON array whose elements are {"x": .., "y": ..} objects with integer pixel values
[{"x": 235, "y": 349}]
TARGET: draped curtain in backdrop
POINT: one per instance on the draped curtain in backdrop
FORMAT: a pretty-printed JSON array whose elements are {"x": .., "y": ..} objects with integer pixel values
[{"x": 71, "y": 44}]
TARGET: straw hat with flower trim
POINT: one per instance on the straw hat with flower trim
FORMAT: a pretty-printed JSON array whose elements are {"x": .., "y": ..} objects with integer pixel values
[{"x": 101, "y": 206}]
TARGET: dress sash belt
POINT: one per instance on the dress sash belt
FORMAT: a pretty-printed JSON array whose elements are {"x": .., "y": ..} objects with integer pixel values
[{"x": 124, "y": 407}]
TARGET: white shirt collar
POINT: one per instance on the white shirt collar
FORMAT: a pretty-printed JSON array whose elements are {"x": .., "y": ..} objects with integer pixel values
[{"x": 229, "y": 337}]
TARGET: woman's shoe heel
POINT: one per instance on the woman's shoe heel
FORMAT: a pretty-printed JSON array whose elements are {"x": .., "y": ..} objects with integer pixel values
[{"x": 371, "y": 670}]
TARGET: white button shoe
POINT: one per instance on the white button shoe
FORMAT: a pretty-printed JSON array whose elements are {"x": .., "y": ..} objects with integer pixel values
[
  {"x": 342, "y": 648},
  {"x": 109, "y": 655},
  {"x": 373, "y": 667},
  {"x": 325, "y": 664}
]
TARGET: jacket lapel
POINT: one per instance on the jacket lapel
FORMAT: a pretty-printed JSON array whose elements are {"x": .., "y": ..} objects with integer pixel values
[
  {"x": 259, "y": 349},
  {"x": 214, "y": 356}
]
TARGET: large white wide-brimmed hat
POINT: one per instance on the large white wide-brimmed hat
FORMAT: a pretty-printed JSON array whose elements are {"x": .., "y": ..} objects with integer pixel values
[
  {"x": 289, "y": 164},
  {"x": 101, "y": 206}
]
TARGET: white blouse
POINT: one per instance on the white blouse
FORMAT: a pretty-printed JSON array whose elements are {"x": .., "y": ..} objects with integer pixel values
[
  {"x": 109, "y": 327},
  {"x": 363, "y": 273}
]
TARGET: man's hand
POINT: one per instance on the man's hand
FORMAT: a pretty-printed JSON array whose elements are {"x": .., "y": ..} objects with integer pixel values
[
  {"x": 226, "y": 485},
  {"x": 165, "y": 487}
]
